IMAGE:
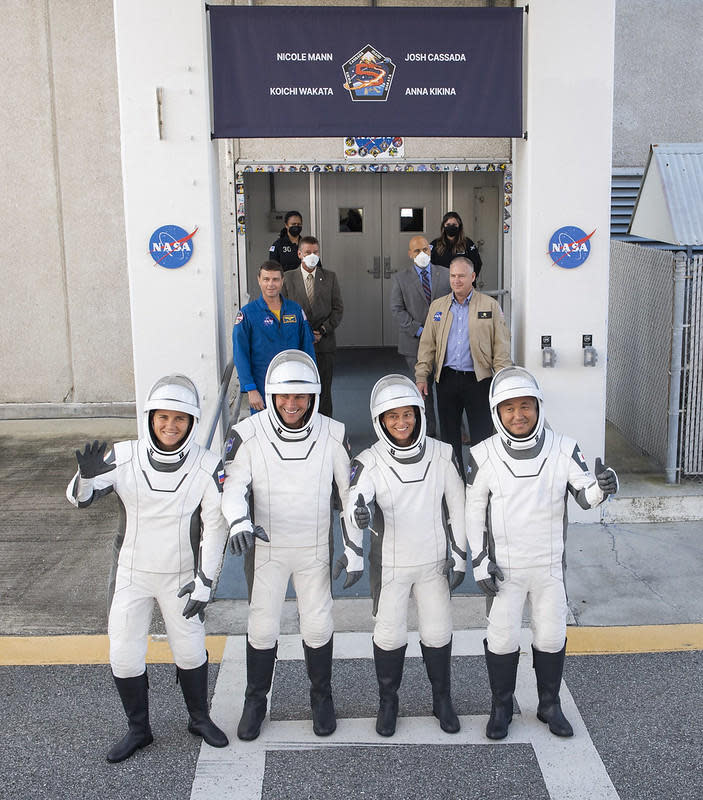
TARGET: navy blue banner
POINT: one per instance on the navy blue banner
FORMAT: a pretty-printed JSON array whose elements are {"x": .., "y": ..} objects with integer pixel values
[{"x": 284, "y": 71}]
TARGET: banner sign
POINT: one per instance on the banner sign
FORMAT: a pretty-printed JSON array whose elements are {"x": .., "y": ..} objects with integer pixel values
[{"x": 299, "y": 71}]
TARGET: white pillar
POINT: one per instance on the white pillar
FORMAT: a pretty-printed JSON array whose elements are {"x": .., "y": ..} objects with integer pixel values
[
  {"x": 562, "y": 177},
  {"x": 170, "y": 178}
]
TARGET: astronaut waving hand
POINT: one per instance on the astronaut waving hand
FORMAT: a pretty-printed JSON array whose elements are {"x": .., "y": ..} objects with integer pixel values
[{"x": 169, "y": 546}]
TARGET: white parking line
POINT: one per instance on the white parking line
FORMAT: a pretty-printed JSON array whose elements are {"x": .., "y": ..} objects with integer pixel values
[{"x": 571, "y": 768}]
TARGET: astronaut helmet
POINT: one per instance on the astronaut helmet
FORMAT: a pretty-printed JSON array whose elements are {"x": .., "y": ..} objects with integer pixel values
[
  {"x": 398, "y": 391},
  {"x": 508, "y": 383},
  {"x": 292, "y": 372},
  {"x": 172, "y": 393}
]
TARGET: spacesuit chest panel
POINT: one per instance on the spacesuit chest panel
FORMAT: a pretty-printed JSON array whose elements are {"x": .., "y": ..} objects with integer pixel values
[
  {"x": 410, "y": 497},
  {"x": 527, "y": 505},
  {"x": 292, "y": 485},
  {"x": 159, "y": 507}
]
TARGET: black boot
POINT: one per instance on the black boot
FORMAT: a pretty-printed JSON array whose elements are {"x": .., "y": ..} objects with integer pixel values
[
  {"x": 259, "y": 676},
  {"x": 134, "y": 693},
  {"x": 438, "y": 665},
  {"x": 194, "y": 687},
  {"x": 319, "y": 663},
  {"x": 389, "y": 672},
  {"x": 548, "y": 669},
  {"x": 502, "y": 673}
]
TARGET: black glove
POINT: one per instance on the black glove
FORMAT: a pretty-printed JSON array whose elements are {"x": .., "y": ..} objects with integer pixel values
[
  {"x": 490, "y": 587},
  {"x": 91, "y": 461},
  {"x": 352, "y": 577},
  {"x": 607, "y": 478},
  {"x": 199, "y": 598},
  {"x": 362, "y": 515},
  {"x": 244, "y": 540},
  {"x": 454, "y": 576}
]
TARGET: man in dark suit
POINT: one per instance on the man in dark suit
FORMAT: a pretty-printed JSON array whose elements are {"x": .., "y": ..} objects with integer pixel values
[
  {"x": 411, "y": 294},
  {"x": 317, "y": 291}
]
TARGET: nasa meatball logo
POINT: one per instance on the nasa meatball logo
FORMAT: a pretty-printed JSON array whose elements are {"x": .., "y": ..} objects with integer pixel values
[
  {"x": 570, "y": 246},
  {"x": 368, "y": 75},
  {"x": 171, "y": 246}
]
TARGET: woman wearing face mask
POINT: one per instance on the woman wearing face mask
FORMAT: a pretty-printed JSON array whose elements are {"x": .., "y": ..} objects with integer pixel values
[
  {"x": 453, "y": 242},
  {"x": 285, "y": 248}
]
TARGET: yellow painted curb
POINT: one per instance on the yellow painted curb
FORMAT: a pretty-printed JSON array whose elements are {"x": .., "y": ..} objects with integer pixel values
[
  {"x": 48, "y": 650},
  {"x": 634, "y": 639},
  {"x": 44, "y": 650}
]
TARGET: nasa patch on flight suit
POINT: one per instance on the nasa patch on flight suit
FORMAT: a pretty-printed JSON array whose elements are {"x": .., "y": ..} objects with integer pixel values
[
  {"x": 437, "y": 316},
  {"x": 485, "y": 314},
  {"x": 289, "y": 318},
  {"x": 238, "y": 318}
]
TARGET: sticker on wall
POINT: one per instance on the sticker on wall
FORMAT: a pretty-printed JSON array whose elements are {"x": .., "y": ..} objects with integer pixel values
[
  {"x": 570, "y": 246},
  {"x": 367, "y": 148},
  {"x": 171, "y": 246}
]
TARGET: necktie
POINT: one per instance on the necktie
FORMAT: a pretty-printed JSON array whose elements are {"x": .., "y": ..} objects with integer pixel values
[
  {"x": 310, "y": 287},
  {"x": 426, "y": 285}
]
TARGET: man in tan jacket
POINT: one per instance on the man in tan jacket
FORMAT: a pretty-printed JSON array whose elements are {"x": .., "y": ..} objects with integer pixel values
[{"x": 465, "y": 340}]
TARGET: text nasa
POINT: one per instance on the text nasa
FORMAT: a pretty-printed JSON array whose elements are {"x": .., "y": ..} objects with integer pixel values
[
  {"x": 170, "y": 247},
  {"x": 569, "y": 247}
]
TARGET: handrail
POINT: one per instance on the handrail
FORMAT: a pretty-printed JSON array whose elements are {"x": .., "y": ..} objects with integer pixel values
[{"x": 224, "y": 386}]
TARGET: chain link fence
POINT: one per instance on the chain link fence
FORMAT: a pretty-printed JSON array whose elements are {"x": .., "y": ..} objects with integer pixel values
[
  {"x": 639, "y": 345},
  {"x": 641, "y": 325}
]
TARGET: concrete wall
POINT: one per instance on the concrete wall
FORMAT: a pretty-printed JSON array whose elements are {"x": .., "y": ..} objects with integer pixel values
[
  {"x": 171, "y": 176},
  {"x": 562, "y": 177},
  {"x": 65, "y": 332},
  {"x": 65, "y": 328},
  {"x": 658, "y": 86}
]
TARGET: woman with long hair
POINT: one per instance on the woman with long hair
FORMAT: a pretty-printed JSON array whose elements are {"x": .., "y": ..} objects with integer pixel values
[
  {"x": 285, "y": 248},
  {"x": 454, "y": 242}
]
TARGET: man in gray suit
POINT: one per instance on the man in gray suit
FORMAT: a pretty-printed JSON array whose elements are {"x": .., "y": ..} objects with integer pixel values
[
  {"x": 317, "y": 291},
  {"x": 411, "y": 294}
]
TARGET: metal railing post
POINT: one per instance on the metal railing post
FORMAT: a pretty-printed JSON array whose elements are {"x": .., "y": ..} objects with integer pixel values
[
  {"x": 674, "y": 417},
  {"x": 224, "y": 385}
]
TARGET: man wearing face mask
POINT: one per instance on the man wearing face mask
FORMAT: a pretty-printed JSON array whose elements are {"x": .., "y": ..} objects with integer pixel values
[
  {"x": 316, "y": 290},
  {"x": 285, "y": 248},
  {"x": 412, "y": 292}
]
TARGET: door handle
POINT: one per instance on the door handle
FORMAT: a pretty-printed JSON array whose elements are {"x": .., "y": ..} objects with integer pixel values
[
  {"x": 387, "y": 271},
  {"x": 376, "y": 271}
]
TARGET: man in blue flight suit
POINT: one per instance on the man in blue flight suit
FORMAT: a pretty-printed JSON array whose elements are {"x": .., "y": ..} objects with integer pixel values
[{"x": 265, "y": 327}]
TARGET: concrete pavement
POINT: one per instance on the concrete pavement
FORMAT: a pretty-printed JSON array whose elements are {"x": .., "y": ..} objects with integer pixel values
[{"x": 634, "y": 705}]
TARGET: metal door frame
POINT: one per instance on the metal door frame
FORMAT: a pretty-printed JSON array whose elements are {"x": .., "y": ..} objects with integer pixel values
[{"x": 314, "y": 169}]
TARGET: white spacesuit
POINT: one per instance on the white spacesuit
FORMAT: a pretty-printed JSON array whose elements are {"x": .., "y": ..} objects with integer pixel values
[
  {"x": 171, "y": 537},
  {"x": 281, "y": 484},
  {"x": 516, "y": 522},
  {"x": 417, "y": 529}
]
